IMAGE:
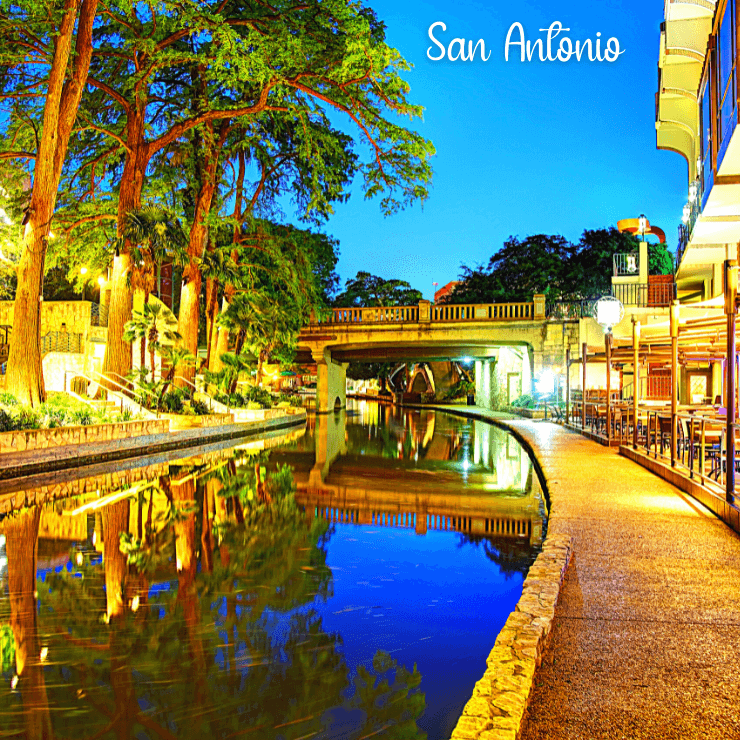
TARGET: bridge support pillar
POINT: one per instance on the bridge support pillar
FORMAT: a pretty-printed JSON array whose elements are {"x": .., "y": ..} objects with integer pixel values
[{"x": 331, "y": 385}]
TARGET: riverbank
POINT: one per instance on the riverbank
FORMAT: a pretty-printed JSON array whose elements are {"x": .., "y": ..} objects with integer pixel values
[
  {"x": 21, "y": 464},
  {"x": 644, "y": 637}
]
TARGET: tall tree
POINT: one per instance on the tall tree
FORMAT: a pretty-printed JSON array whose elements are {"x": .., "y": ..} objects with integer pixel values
[
  {"x": 370, "y": 290},
  {"x": 251, "y": 58},
  {"x": 61, "y": 46}
]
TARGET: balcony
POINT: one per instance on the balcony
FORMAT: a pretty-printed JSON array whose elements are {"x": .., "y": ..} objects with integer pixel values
[
  {"x": 626, "y": 265},
  {"x": 657, "y": 293}
]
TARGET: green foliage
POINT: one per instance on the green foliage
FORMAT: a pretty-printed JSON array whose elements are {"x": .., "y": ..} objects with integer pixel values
[
  {"x": 200, "y": 408},
  {"x": 172, "y": 402},
  {"x": 8, "y": 399},
  {"x": 551, "y": 266},
  {"x": 524, "y": 402},
  {"x": 459, "y": 390},
  {"x": 366, "y": 290},
  {"x": 7, "y": 649}
]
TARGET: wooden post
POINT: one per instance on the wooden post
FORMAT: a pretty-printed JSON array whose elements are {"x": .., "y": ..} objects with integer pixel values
[
  {"x": 674, "y": 381},
  {"x": 730, "y": 311},
  {"x": 636, "y": 379},
  {"x": 584, "y": 355},
  {"x": 567, "y": 386},
  {"x": 608, "y": 344}
]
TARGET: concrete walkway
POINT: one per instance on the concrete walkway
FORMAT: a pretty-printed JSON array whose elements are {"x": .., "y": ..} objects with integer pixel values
[{"x": 646, "y": 642}]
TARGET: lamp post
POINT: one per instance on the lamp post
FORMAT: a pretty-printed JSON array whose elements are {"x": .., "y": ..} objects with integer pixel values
[
  {"x": 609, "y": 312},
  {"x": 83, "y": 272}
]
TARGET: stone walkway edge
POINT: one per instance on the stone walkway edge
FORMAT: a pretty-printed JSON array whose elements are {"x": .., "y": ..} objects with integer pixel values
[
  {"x": 497, "y": 708},
  {"x": 17, "y": 465}
]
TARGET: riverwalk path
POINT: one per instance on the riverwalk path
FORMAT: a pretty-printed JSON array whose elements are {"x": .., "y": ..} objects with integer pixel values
[{"x": 646, "y": 637}]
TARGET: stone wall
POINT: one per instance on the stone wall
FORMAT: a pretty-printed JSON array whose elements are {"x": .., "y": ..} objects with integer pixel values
[
  {"x": 42, "y": 439},
  {"x": 72, "y": 316}
]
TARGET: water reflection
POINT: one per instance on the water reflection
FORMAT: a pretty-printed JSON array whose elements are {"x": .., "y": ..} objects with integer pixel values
[{"x": 225, "y": 595}]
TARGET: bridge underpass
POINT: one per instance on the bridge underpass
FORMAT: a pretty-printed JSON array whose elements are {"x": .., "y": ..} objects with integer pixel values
[{"x": 520, "y": 332}]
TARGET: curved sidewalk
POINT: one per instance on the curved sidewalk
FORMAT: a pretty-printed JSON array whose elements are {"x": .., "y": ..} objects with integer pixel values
[{"x": 646, "y": 639}]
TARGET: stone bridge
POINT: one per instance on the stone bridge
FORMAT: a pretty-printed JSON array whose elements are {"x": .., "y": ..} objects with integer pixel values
[{"x": 510, "y": 342}]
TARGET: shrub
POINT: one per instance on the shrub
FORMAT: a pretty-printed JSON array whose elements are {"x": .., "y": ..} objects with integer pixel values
[
  {"x": 257, "y": 395},
  {"x": 200, "y": 408},
  {"x": 254, "y": 405},
  {"x": 7, "y": 422},
  {"x": 27, "y": 418},
  {"x": 172, "y": 402},
  {"x": 82, "y": 417},
  {"x": 8, "y": 399}
]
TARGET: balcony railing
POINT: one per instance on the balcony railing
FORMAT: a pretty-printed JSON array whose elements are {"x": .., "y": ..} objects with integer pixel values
[
  {"x": 626, "y": 265},
  {"x": 692, "y": 211},
  {"x": 571, "y": 310},
  {"x": 644, "y": 296}
]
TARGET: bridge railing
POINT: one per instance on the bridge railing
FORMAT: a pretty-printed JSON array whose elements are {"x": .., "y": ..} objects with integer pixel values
[
  {"x": 483, "y": 312},
  {"x": 437, "y": 313},
  {"x": 379, "y": 314}
]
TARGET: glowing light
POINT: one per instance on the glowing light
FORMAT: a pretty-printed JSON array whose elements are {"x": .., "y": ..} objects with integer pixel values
[
  {"x": 101, "y": 281},
  {"x": 179, "y": 565},
  {"x": 693, "y": 191},
  {"x": 94, "y": 538},
  {"x": 79, "y": 559},
  {"x": 686, "y": 213},
  {"x": 83, "y": 270},
  {"x": 643, "y": 224},
  {"x": 43, "y": 654},
  {"x": 467, "y": 360},
  {"x": 609, "y": 312},
  {"x": 14, "y": 682},
  {"x": 135, "y": 603},
  {"x": 545, "y": 383}
]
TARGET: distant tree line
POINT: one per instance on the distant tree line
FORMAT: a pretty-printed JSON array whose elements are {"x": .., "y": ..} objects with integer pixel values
[{"x": 553, "y": 266}]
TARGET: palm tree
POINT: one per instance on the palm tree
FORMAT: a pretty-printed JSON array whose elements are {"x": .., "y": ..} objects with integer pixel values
[
  {"x": 174, "y": 357},
  {"x": 157, "y": 235},
  {"x": 153, "y": 326},
  {"x": 217, "y": 268}
]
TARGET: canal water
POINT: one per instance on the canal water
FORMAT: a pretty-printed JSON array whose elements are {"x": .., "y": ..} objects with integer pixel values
[{"x": 343, "y": 581}]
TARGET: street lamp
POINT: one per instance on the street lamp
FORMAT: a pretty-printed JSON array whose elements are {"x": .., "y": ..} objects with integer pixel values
[
  {"x": 609, "y": 312},
  {"x": 643, "y": 226}
]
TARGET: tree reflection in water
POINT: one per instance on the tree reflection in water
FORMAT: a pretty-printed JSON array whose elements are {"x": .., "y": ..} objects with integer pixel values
[
  {"x": 199, "y": 623},
  {"x": 513, "y": 557}
]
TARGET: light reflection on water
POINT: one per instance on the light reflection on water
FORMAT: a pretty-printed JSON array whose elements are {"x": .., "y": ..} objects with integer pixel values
[{"x": 400, "y": 557}]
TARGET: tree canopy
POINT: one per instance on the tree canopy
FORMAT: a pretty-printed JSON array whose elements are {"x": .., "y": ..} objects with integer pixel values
[
  {"x": 366, "y": 290},
  {"x": 554, "y": 267}
]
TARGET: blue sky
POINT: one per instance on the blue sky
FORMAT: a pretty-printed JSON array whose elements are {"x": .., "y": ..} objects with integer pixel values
[{"x": 529, "y": 148}]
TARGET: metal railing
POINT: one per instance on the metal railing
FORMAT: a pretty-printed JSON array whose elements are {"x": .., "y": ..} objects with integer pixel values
[
  {"x": 61, "y": 341},
  {"x": 98, "y": 315},
  {"x": 626, "y": 264},
  {"x": 643, "y": 295},
  {"x": 572, "y": 310}
]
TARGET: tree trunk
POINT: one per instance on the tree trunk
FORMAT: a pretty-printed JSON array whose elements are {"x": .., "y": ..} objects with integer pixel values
[
  {"x": 189, "y": 318},
  {"x": 211, "y": 315},
  {"x": 21, "y": 541},
  {"x": 117, "y": 362},
  {"x": 115, "y": 521},
  {"x": 183, "y": 493},
  {"x": 222, "y": 335},
  {"x": 24, "y": 377}
]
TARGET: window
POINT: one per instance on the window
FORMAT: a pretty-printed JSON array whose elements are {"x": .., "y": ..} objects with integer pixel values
[{"x": 726, "y": 93}]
